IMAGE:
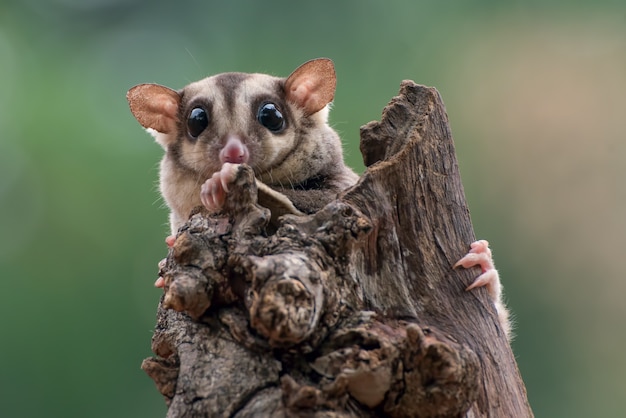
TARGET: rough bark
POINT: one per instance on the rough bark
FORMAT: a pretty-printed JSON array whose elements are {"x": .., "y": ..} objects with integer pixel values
[{"x": 354, "y": 311}]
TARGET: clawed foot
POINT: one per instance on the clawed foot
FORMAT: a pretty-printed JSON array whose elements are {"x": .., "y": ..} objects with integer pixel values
[
  {"x": 213, "y": 191},
  {"x": 480, "y": 255},
  {"x": 160, "y": 282}
]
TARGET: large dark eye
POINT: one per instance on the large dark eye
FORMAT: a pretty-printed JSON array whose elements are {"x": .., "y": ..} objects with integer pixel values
[
  {"x": 197, "y": 122},
  {"x": 270, "y": 117}
]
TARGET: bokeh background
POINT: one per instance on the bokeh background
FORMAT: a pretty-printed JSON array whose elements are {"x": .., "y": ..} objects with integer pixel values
[{"x": 536, "y": 95}]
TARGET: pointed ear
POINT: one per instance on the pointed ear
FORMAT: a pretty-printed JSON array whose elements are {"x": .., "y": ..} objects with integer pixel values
[
  {"x": 312, "y": 85},
  {"x": 154, "y": 107}
]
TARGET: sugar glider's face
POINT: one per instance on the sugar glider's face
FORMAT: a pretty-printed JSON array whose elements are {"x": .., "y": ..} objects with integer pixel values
[
  {"x": 249, "y": 107},
  {"x": 257, "y": 119}
]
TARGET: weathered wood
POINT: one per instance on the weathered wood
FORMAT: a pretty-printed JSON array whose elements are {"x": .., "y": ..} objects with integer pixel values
[
  {"x": 412, "y": 193},
  {"x": 354, "y": 311}
]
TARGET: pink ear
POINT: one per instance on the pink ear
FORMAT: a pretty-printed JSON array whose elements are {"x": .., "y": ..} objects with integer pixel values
[
  {"x": 154, "y": 106},
  {"x": 312, "y": 85}
]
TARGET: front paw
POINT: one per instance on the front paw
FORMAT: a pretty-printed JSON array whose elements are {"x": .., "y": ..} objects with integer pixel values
[{"x": 214, "y": 190}]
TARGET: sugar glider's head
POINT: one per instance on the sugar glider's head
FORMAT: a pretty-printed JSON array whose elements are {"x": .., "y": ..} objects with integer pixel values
[{"x": 236, "y": 117}]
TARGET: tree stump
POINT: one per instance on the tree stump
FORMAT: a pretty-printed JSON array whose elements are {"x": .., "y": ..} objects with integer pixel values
[{"x": 354, "y": 311}]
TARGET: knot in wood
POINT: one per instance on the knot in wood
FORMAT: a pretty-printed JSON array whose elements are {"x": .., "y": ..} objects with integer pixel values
[{"x": 286, "y": 298}]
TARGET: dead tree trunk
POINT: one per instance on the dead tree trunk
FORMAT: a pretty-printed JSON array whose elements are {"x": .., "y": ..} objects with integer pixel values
[{"x": 354, "y": 311}]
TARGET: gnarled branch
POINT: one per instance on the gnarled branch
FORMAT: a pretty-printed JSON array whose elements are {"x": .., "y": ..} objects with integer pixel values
[{"x": 352, "y": 311}]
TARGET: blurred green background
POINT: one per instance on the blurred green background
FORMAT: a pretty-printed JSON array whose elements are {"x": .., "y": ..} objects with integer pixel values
[{"x": 535, "y": 93}]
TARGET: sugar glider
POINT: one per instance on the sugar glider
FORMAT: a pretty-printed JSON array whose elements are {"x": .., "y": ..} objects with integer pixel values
[{"x": 277, "y": 126}]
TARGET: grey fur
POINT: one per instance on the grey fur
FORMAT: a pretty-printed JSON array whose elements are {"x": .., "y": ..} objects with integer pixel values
[{"x": 302, "y": 164}]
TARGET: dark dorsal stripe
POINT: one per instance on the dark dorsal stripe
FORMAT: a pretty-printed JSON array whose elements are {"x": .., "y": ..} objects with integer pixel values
[{"x": 228, "y": 84}]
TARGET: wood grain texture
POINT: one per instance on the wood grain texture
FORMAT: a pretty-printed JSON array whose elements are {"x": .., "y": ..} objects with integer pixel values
[{"x": 353, "y": 311}]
